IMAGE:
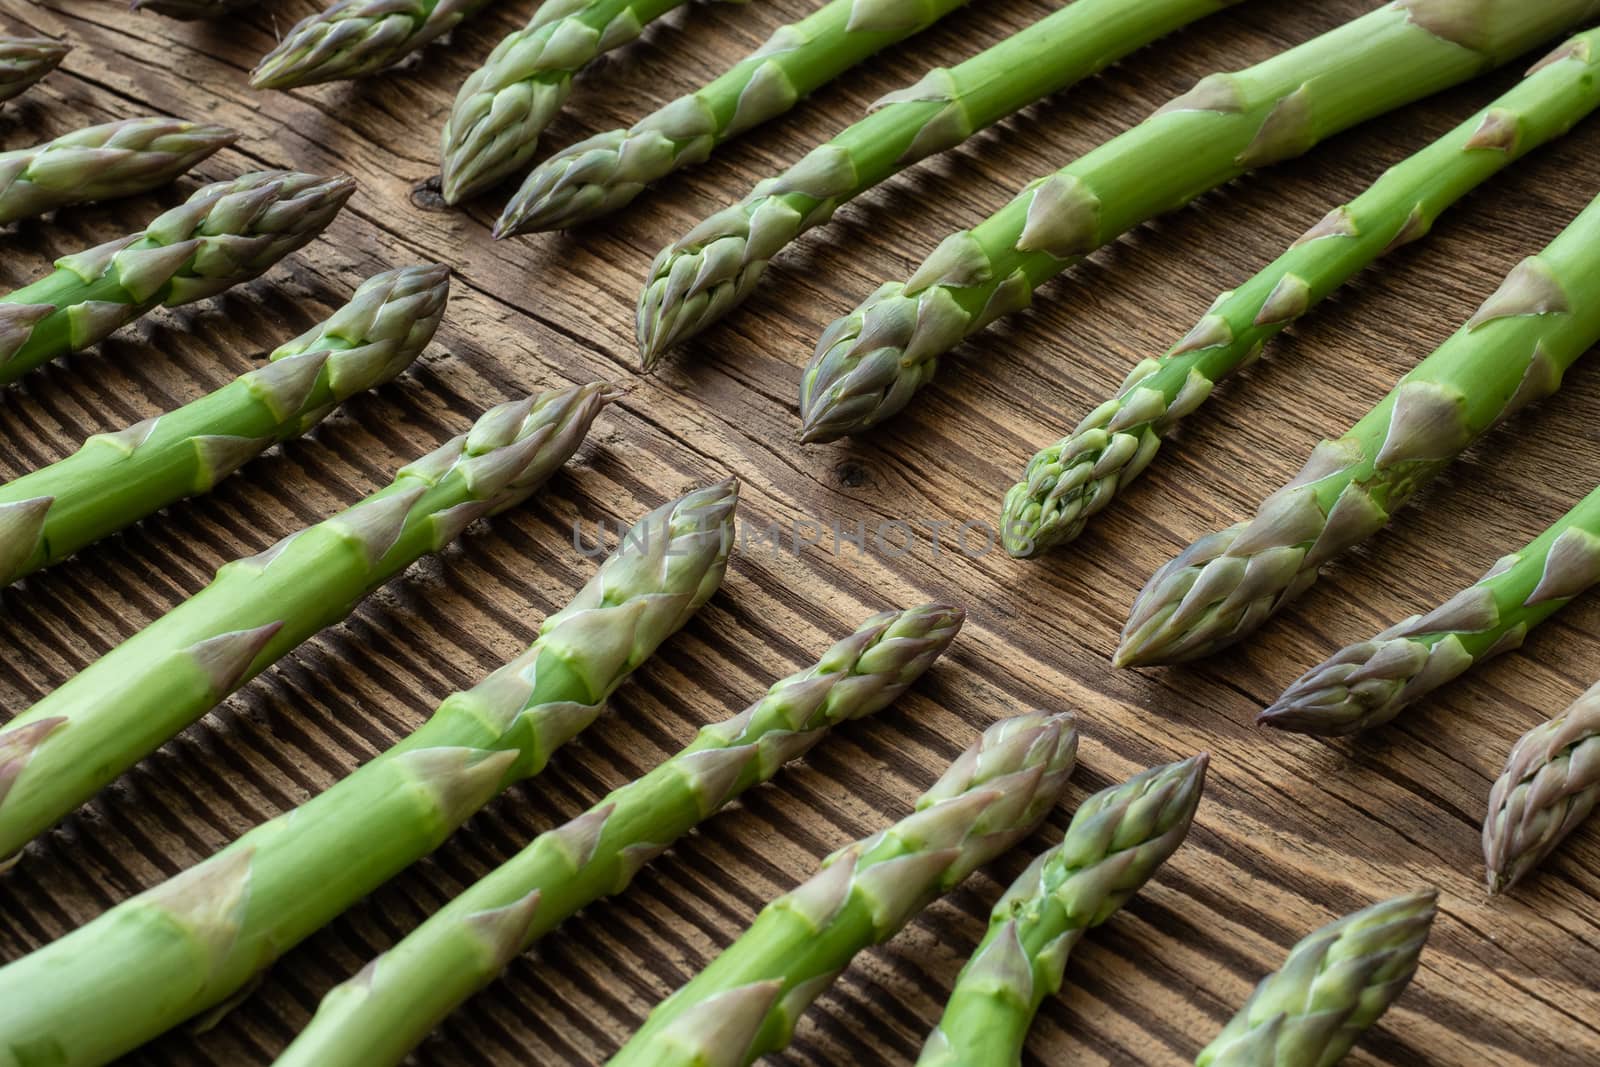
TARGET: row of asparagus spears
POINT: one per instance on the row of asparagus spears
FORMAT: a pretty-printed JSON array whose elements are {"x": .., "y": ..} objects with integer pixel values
[
  {"x": 867, "y": 368},
  {"x": 196, "y": 941},
  {"x": 869, "y": 364}
]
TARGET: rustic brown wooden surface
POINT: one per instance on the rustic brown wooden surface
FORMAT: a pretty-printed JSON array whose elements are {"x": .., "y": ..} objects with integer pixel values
[{"x": 1292, "y": 831}]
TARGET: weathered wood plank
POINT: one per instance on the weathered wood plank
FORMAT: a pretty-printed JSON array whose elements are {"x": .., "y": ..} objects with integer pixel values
[{"x": 1292, "y": 832}]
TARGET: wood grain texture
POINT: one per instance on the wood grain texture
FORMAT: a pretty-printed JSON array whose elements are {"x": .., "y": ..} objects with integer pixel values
[{"x": 1292, "y": 831}]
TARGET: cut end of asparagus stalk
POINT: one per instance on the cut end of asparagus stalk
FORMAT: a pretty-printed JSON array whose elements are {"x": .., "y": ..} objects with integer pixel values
[
  {"x": 103, "y": 162},
  {"x": 1550, "y": 785},
  {"x": 868, "y": 364},
  {"x": 25, "y": 60},
  {"x": 585, "y": 181},
  {"x": 1334, "y": 985}
]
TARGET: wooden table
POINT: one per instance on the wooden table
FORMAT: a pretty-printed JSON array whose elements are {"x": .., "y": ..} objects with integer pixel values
[{"x": 1292, "y": 832}]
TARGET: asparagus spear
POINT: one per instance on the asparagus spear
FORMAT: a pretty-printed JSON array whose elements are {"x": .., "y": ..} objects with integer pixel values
[
  {"x": 1370, "y": 682},
  {"x": 24, "y": 60},
  {"x": 870, "y": 363},
  {"x": 1116, "y": 841},
  {"x": 378, "y": 1016},
  {"x": 190, "y": 9},
  {"x": 605, "y": 172},
  {"x": 227, "y": 233},
  {"x": 1543, "y": 317},
  {"x": 711, "y": 270},
  {"x": 1549, "y": 786},
  {"x": 103, "y": 162},
  {"x": 504, "y": 105},
  {"x": 137, "y": 696},
  {"x": 746, "y": 1002},
  {"x": 354, "y": 38},
  {"x": 1074, "y": 478},
  {"x": 197, "y": 940},
  {"x": 1334, "y": 985},
  {"x": 116, "y": 479}
]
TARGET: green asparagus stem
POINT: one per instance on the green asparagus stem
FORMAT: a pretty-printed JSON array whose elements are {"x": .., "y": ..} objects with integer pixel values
[
  {"x": 354, "y": 38},
  {"x": 116, "y": 479},
  {"x": 746, "y": 1002},
  {"x": 1550, "y": 785},
  {"x": 1116, "y": 841},
  {"x": 102, "y": 163},
  {"x": 24, "y": 60},
  {"x": 1079, "y": 475},
  {"x": 870, "y": 363},
  {"x": 604, "y": 173},
  {"x": 1370, "y": 682},
  {"x": 1514, "y": 350},
  {"x": 190, "y": 9},
  {"x": 378, "y": 1016},
  {"x": 1335, "y": 984},
  {"x": 504, "y": 105},
  {"x": 226, "y": 234},
  {"x": 197, "y": 940},
  {"x": 712, "y": 269},
  {"x": 137, "y": 696}
]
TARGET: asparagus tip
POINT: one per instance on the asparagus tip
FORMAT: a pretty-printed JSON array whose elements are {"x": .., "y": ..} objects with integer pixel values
[
  {"x": 1293, "y": 716},
  {"x": 46, "y": 48},
  {"x": 830, "y": 415},
  {"x": 1018, "y": 536},
  {"x": 651, "y": 345},
  {"x": 1022, "y": 522},
  {"x": 451, "y": 186},
  {"x": 1285, "y": 714},
  {"x": 813, "y": 435}
]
